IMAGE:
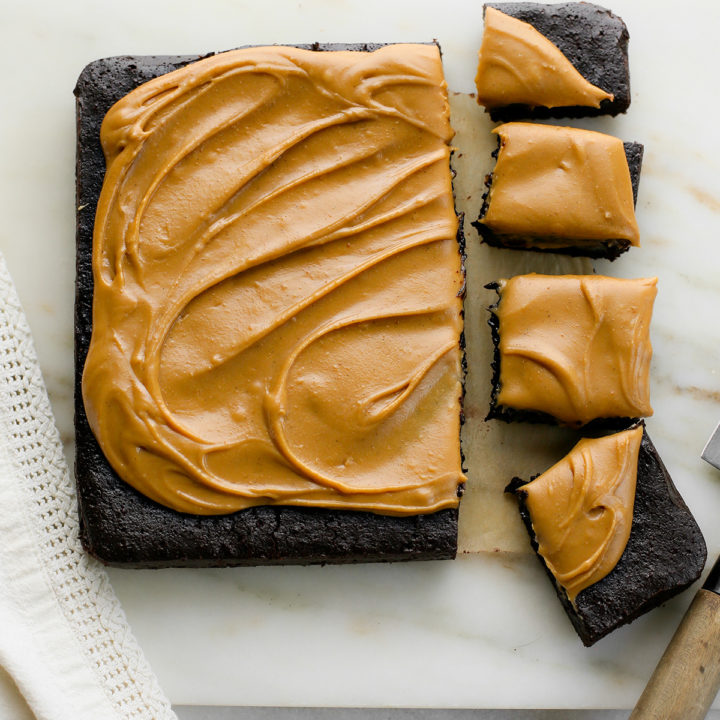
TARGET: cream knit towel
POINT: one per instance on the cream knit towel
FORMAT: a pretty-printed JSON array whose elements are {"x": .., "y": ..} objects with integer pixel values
[{"x": 64, "y": 639}]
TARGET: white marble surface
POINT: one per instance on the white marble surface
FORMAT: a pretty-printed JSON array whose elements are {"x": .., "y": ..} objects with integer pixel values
[{"x": 485, "y": 631}]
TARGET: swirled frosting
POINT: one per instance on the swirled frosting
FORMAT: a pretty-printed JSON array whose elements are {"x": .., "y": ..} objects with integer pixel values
[
  {"x": 582, "y": 509},
  {"x": 517, "y": 64},
  {"x": 555, "y": 184},
  {"x": 277, "y": 311},
  {"x": 576, "y": 347}
]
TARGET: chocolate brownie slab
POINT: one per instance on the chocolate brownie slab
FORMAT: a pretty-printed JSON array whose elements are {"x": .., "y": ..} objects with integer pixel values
[{"x": 123, "y": 527}]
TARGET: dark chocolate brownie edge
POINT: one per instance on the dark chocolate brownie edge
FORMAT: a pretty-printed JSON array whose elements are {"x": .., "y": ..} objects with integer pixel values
[
  {"x": 120, "y": 526},
  {"x": 593, "y": 39},
  {"x": 634, "y": 152},
  {"x": 463, "y": 343},
  {"x": 666, "y": 553},
  {"x": 607, "y": 249}
]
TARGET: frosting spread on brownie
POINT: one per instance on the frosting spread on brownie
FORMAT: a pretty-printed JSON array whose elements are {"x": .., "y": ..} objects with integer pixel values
[
  {"x": 555, "y": 184},
  {"x": 582, "y": 509},
  {"x": 277, "y": 311},
  {"x": 576, "y": 347},
  {"x": 519, "y": 65}
]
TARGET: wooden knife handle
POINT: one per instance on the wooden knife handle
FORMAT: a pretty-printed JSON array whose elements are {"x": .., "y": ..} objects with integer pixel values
[{"x": 687, "y": 677}]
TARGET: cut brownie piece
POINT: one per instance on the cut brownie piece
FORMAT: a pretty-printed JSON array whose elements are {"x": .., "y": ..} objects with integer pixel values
[
  {"x": 561, "y": 189},
  {"x": 120, "y": 525},
  {"x": 562, "y": 60},
  {"x": 604, "y": 577},
  {"x": 572, "y": 349}
]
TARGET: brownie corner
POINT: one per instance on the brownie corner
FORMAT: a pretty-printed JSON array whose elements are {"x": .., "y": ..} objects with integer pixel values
[
  {"x": 592, "y": 38},
  {"x": 665, "y": 553}
]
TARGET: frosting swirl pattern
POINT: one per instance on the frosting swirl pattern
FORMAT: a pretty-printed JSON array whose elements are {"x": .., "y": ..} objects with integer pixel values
[
  {"x": 277, "y": 310},
  {"x": 576, "y": 347},
  {"x": 582, "y": 509}
]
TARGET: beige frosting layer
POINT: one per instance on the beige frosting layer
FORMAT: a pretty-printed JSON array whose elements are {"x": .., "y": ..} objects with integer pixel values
[
  {"x": 276, "y": 316},
  {"x": 517, "y": 64},
  {"x": 559, "y": 184},
  {"x": 582, "y": 508},
  {"x": 576, "y": 346}
]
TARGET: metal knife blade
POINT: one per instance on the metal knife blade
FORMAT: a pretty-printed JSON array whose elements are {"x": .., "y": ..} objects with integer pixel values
[{"x": 711, "y": 451}]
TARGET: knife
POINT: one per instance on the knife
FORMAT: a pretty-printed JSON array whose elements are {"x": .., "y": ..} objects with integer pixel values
[{"x": 687, "y": 678}]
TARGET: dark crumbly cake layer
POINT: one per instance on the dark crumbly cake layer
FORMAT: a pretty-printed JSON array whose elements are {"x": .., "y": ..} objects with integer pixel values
[
  {"x": 665, "y": 553},
  {"x": 609, "y": 249},
  {"x": 120, "y": 526},
  {"x": 593, "y": 39}
]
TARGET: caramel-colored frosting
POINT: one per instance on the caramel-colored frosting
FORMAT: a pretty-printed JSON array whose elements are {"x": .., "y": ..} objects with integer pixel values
[
  {"x": 517, "y": 64},
  {"x": 576, "y": 346},
  {"x": 276, "y": 316},
  {"x": 556, "y": 184},
  {"x": 582, "y": 509}
]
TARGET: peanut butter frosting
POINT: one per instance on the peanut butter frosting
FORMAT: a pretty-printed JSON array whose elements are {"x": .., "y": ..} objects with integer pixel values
[
  {"x": 277, "y": 310},
  {"x": 519, "y": 65},
  {"x": 582, "y": 509},
  {"x": 560, "y": 185},
  {"x": 576, "y": 347}
]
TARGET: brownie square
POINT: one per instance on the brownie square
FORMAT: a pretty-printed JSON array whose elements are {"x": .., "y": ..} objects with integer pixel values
[
  {"x": 571, "y": 349},
  {"x": 122, "y": 527},
  {"x": 593, "y": 39},
  {"x": 561, "y": 190},
  {"x": 664, "y": 554}
]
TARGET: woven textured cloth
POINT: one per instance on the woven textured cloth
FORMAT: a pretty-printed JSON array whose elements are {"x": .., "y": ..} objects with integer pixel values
[{"x": 64, "y": 639}]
